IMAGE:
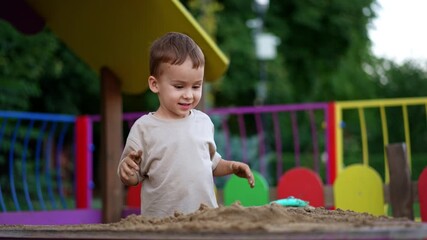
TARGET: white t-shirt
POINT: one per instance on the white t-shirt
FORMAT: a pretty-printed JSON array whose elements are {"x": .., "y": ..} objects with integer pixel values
[{"x": 177, "y": 164}]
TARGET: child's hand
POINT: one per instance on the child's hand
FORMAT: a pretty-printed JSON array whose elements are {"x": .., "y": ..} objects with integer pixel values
[
  {"x": 129, "y": 168},
  {"x": 242, "y": 170}
]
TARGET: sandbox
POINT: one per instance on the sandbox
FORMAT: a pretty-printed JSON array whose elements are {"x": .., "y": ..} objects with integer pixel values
[{"x": 235, "y": 222}]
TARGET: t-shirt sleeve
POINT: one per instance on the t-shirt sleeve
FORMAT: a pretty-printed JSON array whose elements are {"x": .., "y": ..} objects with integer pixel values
[
  {"x": 215, "y": 160},
  {"x": 132, "y": 144},
  {"x": 215, "y": 156}
]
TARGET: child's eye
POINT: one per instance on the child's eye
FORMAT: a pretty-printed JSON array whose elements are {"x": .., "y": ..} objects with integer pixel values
[
  {"x": 178, "y": 86},
  {"x": 196, "y": 86}
]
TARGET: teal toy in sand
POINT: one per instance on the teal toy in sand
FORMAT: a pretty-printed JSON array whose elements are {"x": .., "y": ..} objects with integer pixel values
[{"x": 291, "y": 202}]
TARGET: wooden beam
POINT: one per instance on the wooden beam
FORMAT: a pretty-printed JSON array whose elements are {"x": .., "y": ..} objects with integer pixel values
[
  {"x": 400, "y": 188},
  {"x": 111, "y": 146}
]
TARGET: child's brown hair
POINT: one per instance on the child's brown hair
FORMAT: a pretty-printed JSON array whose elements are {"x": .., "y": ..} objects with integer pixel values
[{"x": 174, "y": 48}]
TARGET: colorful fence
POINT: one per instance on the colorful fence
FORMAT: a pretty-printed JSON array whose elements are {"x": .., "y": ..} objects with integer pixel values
[
  {"x": 380, "y": 122},
  {"x": 276, "y": 130},
  {"x": 39, "y": 168},
  {"x": 272, "y": 139},
  {"x": 260, "y": 135}
]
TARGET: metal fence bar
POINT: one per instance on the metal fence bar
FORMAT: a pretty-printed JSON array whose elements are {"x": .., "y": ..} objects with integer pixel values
[
  {"x": 296, "y": 138},
  {"x": 278, "y": 144},
  {"x": 242, "y": 129},
  {"x": 267, "y": 109},
  {"x": 24, "y": 166},
  {"x": 48, "y": 160},
  {"x": 314, "y": 141},
  {"x": 83, "y": 165},
  {"x": 11, "y": 165},
  {"x": 37, "y": 116},
  {"x": 2, "y": 130},
  {"x": 3, "y": 206},
  {"x": 364, "y": 135},
  {"x": 330, "y": 142},
  {"x": 227, "y": 137},
  {"x": 261, "y": 142},
  {"x": 60, "y": 145},
  {"x": 407, "y": 134},
  {"x": 38, "y": 165},
  {"x": 384, "y": 128}
]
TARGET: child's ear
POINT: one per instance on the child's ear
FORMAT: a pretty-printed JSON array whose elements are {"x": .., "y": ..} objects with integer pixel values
[{"x": 153, "y": 84}]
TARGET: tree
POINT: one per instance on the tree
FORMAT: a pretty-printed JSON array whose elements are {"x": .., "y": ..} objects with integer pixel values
[
  {"x": 238, "y": 86},
  {"x": 408, "y": 79},
  {"x": 394, "y": 80},
  {"x": 68, "y": 85},
  {"x": 22, "y": 62},
  {"x": 38, "y": 73},
  {"x": 324, "y": 44}
]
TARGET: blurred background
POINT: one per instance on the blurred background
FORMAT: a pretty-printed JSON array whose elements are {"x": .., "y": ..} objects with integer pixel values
[{"x": 323, "y": 52}]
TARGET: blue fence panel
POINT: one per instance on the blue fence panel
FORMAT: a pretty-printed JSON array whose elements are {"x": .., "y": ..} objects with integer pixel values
[{"x": 35, "y": 151}]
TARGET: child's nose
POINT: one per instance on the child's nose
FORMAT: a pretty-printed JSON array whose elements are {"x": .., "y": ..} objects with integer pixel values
[{"x": 188, "y": 94}]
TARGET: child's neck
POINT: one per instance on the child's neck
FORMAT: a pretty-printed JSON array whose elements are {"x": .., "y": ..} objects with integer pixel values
[{"x": 159, "y": 114}]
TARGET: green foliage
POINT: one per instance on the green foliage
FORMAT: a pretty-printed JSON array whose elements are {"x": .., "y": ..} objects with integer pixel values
[
  {"x": 204, "y": 12},
  {"x": 238, "y": 85},
  {"x": 38, "y": 73},
  {"x": 394, "y": 80},
  {"x": 324, "y": 44},
  {"x": 324, "y": 55},
  {"x": 22, "y": 63},
  {"x": 68, "y": 85}
]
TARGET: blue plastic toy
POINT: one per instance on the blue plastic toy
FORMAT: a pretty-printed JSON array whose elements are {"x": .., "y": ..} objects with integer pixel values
[{"x": 291, "y": 202}]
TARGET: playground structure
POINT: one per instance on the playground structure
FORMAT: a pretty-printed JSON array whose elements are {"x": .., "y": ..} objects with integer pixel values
[
  {"x": 36, "y": 142},
  {"x": 108, "y": 26},
  {"x": 45, "y": 178}
]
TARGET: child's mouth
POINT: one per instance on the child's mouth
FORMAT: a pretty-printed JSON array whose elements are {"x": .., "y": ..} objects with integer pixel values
[{"x": 185, "y": 106}]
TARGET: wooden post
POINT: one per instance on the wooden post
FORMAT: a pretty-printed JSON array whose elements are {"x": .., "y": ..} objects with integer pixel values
[
  {"x": 111, "y": 146},
  {"x": 400, "y": 181}
]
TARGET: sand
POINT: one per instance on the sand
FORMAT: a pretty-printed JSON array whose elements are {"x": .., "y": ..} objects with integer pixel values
[{"x": 272, "y": 218}]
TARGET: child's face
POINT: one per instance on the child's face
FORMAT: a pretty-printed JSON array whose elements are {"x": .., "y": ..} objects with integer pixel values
[{"x": 179, "y": 88}]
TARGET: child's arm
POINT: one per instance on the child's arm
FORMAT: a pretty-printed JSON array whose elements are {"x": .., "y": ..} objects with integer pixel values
[
  {"x": 240, "y": 169},
  {"x": 129, "y": 168}
]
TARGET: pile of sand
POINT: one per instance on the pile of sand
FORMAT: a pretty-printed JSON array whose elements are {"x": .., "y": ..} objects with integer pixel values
[
  {"x": 268, "y": 218},
  {"x": 236, "y": 218}
]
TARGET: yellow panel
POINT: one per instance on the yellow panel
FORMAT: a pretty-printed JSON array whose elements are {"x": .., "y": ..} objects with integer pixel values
[
  {"x": 359, "y": 188},
  {"x": 381, "y": 104},
  {"x": 118, "y": 34}
]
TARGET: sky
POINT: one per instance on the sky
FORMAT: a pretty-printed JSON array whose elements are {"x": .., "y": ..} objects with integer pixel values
[{"x": 399, "y": 32}]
